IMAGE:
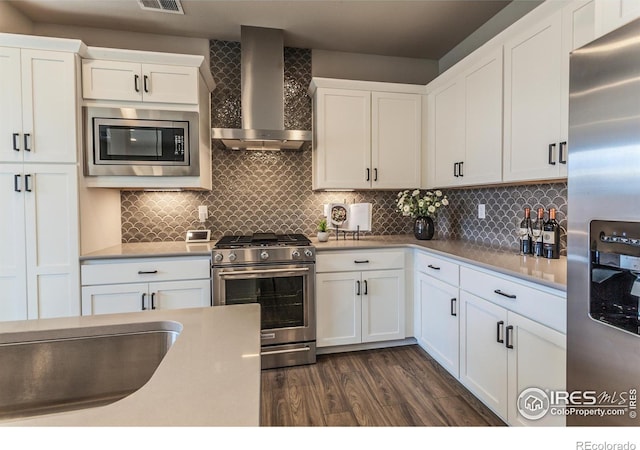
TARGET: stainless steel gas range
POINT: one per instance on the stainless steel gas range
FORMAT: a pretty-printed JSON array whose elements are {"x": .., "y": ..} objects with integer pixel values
[{"x": 278, "y": 272}]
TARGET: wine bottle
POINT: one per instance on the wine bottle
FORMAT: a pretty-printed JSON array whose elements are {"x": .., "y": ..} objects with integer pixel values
[
  {"x": 525, "y": 233},
  {"x": 536, "y": 232},
  {"x": 551, "y": 237}
]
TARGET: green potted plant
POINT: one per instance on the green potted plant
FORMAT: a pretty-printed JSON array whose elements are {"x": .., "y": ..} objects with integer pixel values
[{"x": 323, "y": 234}]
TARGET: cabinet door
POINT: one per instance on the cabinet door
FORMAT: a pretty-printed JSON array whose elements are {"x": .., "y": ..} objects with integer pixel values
[
  {"x": 49, "y": 106},
  {"x": 578, "y": 29},
  {"x": 342, "y": 140},
  {"x": 10, "y": 106},
  {"x": 13, "y": 281},
  {"x": 482, "y": 161},
  {"x": 483, "y": 358},
  {"x": 338, "y": 308},
  {"x": 612, "y": 14},
  {"x": 383, "y": 305},
  {"x": 111, "y": 80},
  {"x": 169, "y": 84},
  {"x": 114, "y": 298},
  {"x": 532, "y": 102},
  {"x": 180, "y": 294},
  {"x": 396, "y": 120},
  {"x": 446, "y": 132},
  {"x": 538, "y": 359},
  {"x": 52, "y": 240},
  {"x": 439, "y": 331}
]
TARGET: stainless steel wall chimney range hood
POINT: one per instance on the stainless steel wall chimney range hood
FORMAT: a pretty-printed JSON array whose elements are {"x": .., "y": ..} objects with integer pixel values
[{"x": 262, "y": 65}]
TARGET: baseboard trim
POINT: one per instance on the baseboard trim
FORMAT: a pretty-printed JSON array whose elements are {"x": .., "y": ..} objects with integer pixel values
[{"x": 365, "y": 346}]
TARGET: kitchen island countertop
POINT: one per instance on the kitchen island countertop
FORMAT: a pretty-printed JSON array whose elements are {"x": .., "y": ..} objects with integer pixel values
[{"x": 209, "y": 377}]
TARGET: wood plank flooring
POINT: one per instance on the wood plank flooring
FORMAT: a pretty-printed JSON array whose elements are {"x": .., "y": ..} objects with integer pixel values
[{"x": 399, "y": 386}]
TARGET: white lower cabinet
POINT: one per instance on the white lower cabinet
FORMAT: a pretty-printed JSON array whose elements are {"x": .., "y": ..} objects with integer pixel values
[
  {"x": 502, "y": 353},
  {"x": 354, "y": 307},
  {"x": 130, "y": 286},
  {"x": 437, "y": 306}
]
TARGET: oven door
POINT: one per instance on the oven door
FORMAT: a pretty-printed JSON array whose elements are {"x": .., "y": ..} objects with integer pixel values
[{"x": 286, "y": 294}]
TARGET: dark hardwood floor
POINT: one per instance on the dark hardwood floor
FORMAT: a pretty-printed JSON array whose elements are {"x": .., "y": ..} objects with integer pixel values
[{"x": 399, "y": 386}]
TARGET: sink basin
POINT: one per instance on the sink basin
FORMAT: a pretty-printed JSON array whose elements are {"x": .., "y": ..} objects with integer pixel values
[{"x": 44, "y": 372}]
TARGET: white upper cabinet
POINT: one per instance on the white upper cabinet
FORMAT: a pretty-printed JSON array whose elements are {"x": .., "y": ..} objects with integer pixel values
[
  {"x": 366, "y": 135},
  {"x": 533, "y": 81},
  {"x": 37, "y": 106},
  {"x": 396, "y": 139},
  {"x": 130, "y": 81},
  {"x": 464, "y": 131},
  {"x": 536, "y": 96},
  {"x": 612, "y": 14}
]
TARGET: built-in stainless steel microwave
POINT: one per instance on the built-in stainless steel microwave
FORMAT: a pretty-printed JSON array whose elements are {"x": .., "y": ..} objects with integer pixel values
[{"x": 140, "y": 142}]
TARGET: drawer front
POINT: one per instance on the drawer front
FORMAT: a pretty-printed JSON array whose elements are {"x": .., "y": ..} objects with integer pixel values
[
  {"x": 537, "y": 305},
  {"x": 438, "y": 268},
  {"x": 339, "y": 261},
  {"x": 144, "y": 270}
]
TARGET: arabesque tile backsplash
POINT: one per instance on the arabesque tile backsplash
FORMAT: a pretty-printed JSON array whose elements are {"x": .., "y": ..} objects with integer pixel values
[{"x": 271, "y": 191}]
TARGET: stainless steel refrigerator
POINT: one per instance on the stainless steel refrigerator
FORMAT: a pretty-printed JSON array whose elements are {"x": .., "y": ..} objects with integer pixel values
[{"x": 603, "y": 249}]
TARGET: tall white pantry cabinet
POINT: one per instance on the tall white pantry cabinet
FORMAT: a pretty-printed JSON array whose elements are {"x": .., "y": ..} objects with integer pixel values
[{"x": 39, "y": 270}]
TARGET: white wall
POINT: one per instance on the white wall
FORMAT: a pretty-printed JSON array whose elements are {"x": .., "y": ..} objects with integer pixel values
[
  {"x": 99, "y": 37},
  {"x": 358, "y": 66},
  {"x": 13, "y": 21}
]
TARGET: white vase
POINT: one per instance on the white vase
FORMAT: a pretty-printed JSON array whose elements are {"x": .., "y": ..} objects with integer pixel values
[{"x": 323, "y": 236}]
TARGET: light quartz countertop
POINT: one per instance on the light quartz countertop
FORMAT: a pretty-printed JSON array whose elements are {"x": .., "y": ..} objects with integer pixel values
[
  {"x": 547, "y": 272},
  {"x": 209, "y": 377}
]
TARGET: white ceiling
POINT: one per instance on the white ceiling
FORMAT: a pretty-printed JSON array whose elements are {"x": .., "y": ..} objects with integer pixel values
[{"x": 418, "y": 29}]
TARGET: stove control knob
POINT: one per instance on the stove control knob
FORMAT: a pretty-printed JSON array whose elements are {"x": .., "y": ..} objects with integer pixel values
[
  {"x": 295, "y": 254},
  {"x": 308, "y": 253},
  {"x": 218, "y": 257},
  {"x": 264, "y": 255},
  {"x": 232, "y": 257}
]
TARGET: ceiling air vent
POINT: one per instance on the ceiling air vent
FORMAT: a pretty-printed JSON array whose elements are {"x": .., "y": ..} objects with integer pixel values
[{"x": 168, "y": 6}]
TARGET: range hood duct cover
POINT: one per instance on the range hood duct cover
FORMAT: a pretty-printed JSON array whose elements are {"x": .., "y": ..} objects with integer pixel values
[{"x": 262, "y": 64}]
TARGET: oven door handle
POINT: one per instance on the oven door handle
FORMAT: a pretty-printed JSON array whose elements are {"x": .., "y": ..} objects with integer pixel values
[
  {"x": 235, "y": 274},
  {"x": 290, "y": 350}
]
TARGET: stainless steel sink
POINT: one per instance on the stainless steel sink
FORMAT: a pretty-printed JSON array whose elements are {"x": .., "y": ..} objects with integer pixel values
[{"x": 61, "y": 370}]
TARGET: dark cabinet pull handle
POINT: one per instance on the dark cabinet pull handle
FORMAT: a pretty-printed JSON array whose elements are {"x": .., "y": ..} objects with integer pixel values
[
  {"x": 361, "y": 261},
  {"x": 143, "y": 297},
  {"x": 146, "y": 272},
  {"x": 16, "y": 183},
  {"x": 136, "y": 81},
  {"x": 460, "y": 168},
  {"x": 509, "y": 343},
  {"x": 551, "y": 148},
  {"x": 146, "y": 83},
  {"x": 499, "y": 326},
  {"x": 366, "y": 288},
  {"x": 375, "y": 174},
  {"x": 27, "y": 188},
  {"x": 455, "y": 170},
  {"x": 368, "y": 174},
  {"x": 15, "y": 141},
  {"x": 433, "y": 267},
  {"x": 357, "y": 287},
  {"x": 153, "y": 300},
  {"x": 562, "y": 158},
  {"x": 504, "y": 294},
  {"x": 26, "y": 142},
  {"x": 453, "y": 306}
]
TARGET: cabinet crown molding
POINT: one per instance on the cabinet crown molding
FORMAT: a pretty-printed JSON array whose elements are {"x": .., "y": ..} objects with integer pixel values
[{"x": 379, "y": 86}]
